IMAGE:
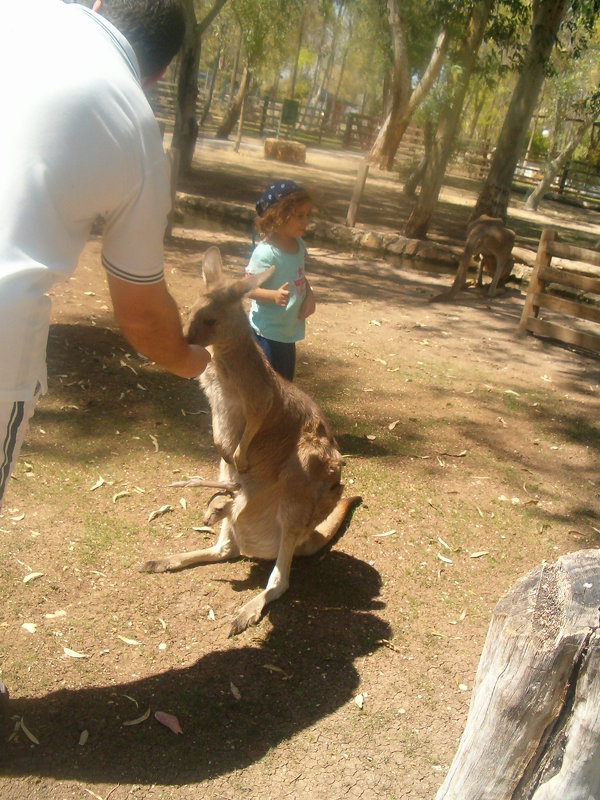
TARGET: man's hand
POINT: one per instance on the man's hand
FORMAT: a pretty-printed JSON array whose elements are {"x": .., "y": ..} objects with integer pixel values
[{"x": 149, "y": 320}]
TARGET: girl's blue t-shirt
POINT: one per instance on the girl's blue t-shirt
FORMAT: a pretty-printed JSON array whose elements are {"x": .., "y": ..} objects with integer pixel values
[{"x": 268, "y": 319}]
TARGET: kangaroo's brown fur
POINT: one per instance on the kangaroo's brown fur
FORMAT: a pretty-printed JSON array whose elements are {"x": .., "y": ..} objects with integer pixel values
[
  {"x": 276, "y": 449},
  {"x": 493, "y": 241}
]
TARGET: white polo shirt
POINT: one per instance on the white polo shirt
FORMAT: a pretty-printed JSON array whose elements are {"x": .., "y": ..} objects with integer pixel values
[{"x": 77, "y": 139}]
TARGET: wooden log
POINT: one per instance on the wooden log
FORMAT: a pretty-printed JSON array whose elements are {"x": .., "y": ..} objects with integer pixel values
[
  {"x": 285, "y": 150},
  {"x": 533, "y": 728}
]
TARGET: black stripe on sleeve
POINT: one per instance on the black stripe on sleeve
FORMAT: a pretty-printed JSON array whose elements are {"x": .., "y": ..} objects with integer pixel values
[{"x": 156, "y": 277}]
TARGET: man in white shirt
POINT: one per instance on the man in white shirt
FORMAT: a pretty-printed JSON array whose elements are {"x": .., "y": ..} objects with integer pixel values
[{"x": 78, "y": 140}]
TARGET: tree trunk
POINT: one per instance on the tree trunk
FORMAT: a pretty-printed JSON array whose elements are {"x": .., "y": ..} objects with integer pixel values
[
  {"x": 533, "y": 729},
  {"x": 388, "y": 140},
  {"x": 297, "y": 59},
  {"x": 236, "y": 64},
  {"x": 495, "y": 194},
  {"x": 399, "y": 90},
  {"x": 555, "y": 166},
  {"x": 418, "y": 222},
  {"x": 233, "y": 112},
  {"x": 185, "y": 131},
  {"x": 238, "y": 138},
  {"x": 211, "y": 89}
]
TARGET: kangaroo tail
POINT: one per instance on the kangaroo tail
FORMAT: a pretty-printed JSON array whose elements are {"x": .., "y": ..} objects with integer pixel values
[{"x": 327, "y": 530}]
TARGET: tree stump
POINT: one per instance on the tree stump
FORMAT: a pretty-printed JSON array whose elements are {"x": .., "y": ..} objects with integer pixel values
[
  {"x": 285, "y": 150},
  {"x": 533, "y": 728}
]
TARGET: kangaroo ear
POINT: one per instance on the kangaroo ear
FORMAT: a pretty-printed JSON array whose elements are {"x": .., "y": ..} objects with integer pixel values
[{"x": 212, "y": 267}]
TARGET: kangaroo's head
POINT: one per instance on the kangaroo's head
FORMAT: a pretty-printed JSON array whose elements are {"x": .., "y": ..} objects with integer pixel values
[{"x": 218, "y": 315}]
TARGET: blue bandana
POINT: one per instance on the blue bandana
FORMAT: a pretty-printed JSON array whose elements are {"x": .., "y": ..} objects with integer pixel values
[{"x": 273, "y": 194}]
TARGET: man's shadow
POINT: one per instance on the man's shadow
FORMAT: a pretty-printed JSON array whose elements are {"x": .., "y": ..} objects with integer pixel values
[{"x": 233, "y": 704}]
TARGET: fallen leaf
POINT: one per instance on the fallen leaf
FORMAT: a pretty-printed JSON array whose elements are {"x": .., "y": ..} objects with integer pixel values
[
  {"x": 479, "y": 553},
  {"x": 274, "y": 668},
  {"x": 444, "y": 559},
  {"x": 129, "y": 641},
  {"x": 27, "y": 732},
  {"x": 370, "y": 437},
  {"x": 211, "y": 614},
  {"x": 383, "y": 535},
  {"x": 83, "y": 738},
  {"x": 443, "y": 543},
  {"x": 119, "y": 495},
  {"x": 29, "y": 627},
  {"x": 359, "y": 700},
  {"x": 154, "y": 442},
  {"x": 138, "y": 720},
  {"x": 376, "y": 323},
  {"x": 159, "y": 512},
  {"x": 32, "y": 576},
  {"x": 393, "y": 424},
  {"x": 98, "y": 484},
  {"x": 17, "y": 519},
  {"x": 169, "y": 720},
  {"x": 73, "y": 653},
  {"x": 183, "y": 503},
  {"x": 56, "y": 614},
  {"x": 203, "y": 529},
  {"x": 235, "y": 691}
]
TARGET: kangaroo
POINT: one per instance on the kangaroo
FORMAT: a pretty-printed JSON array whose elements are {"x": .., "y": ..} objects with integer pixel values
[
  {"x": 490, "y": 238},
  {"x": 280, "y": 467}
]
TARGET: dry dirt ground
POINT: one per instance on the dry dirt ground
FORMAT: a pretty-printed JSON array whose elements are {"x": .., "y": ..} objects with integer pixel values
[{"x": 477, "y": 457}]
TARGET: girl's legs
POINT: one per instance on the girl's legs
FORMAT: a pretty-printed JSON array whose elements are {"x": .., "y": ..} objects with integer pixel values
[{"x": 280, "y": 355}]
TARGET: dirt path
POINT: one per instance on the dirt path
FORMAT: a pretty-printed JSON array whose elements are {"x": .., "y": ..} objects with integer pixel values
[{"x": 476, "y": 454}]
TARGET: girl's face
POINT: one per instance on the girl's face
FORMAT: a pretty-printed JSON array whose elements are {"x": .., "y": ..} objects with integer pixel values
[{"x": 296, "y": 225}]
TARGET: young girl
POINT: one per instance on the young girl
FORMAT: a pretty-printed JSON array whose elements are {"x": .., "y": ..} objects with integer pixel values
[{"x": 282, "y": 303}]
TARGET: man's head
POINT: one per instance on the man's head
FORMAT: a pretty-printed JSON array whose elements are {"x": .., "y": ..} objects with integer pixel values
[{"x": 154, "y": 28}]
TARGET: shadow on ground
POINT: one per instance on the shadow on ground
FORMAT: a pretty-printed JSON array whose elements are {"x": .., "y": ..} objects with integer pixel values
[{"x": 303, "y": 672}]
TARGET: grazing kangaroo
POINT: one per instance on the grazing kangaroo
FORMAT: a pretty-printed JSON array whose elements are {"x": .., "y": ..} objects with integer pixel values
[
  {"x": 490, "y": 238},
  {"x": 280, "y": 466}
]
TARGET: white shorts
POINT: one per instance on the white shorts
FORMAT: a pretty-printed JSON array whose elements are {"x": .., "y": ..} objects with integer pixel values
[{"x": 14, "y": 418}]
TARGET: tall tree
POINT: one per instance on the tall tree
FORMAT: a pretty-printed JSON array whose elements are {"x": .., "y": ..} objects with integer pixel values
[
  {"x": 495, "y": 193},
  {"x": 449, "y": 122},
  {"x": 403, "y": 99}
]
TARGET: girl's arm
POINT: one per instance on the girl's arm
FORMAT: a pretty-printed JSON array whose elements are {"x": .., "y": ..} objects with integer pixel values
[{"x": 278, "y": 296}]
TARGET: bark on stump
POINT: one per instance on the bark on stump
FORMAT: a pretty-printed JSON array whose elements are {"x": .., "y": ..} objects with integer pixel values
[
  {"x": 285, "y": 150},
  {"x": 533, "y": 729}
]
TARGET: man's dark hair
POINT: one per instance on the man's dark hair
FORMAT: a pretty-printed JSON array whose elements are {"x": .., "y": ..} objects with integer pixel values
[{"x": 154, "y": 28}]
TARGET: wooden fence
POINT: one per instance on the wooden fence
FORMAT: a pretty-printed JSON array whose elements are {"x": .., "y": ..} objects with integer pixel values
[
  {"x": 581, "y": 285},
  {"x": 343, "y": 128}
]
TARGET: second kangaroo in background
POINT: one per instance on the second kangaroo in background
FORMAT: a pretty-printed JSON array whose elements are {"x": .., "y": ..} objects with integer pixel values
[
  {"x": 279, "y": 460},
  {"x": 493, "y": 241}
]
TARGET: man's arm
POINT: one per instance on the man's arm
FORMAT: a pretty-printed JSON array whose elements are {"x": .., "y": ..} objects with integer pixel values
[{"x": 150, "y": 321}]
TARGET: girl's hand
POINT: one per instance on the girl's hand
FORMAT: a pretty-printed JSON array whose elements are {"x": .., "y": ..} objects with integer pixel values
[{"x": 282, "y": 295}]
